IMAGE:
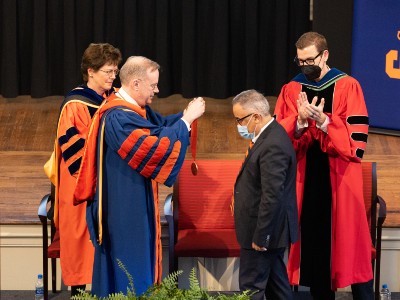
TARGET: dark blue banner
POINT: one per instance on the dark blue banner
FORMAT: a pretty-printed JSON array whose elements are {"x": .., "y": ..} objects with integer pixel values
[{"x": 376, "y": 59}]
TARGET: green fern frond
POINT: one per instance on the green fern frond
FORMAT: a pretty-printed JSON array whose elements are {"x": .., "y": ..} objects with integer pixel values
[
  {"x": 195, "y": 292},
  {"x": 83, "y": 295},
  {"x": 167, "y": 289},
  {"x": 193, "y": 281},
  {"x": 119, "y": 296},
  {"x": 130, "y": 289},
  {"x": 171, "y": 281}
]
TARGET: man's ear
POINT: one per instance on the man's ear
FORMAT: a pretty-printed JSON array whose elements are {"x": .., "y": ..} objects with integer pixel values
[
  {"x": 135, "y": 84},
  {"x": 326, "y": 55}
]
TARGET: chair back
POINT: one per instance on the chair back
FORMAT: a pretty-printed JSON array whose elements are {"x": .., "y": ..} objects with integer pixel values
[
  {"x": 375, "y": 207},
  {"x": 370, "y": 195},
  {"x": 205, "y": 199}
]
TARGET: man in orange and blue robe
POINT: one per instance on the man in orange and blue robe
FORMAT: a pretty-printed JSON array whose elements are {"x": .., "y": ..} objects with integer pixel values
[{"x": 135, "y": 149}]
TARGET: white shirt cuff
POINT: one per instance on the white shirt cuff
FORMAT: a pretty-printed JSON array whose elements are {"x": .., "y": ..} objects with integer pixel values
[
  {"x": 324, "y": 126},
  {"x": 300, "y": 127},
  {"x": 187, "y": 124}
]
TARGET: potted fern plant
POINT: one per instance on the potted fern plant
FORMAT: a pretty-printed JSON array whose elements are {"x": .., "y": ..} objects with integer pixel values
[{"x": 168, "y": 289}]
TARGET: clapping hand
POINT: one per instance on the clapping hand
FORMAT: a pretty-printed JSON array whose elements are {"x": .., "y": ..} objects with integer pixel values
[{"x": 311, "y": 111}]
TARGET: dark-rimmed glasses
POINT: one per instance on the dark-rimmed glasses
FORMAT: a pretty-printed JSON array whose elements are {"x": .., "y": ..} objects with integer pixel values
[
  {"x": 239, "y": 121},
  {"x": 109, "y": 73},
  {"x": 308, "y": 61}
]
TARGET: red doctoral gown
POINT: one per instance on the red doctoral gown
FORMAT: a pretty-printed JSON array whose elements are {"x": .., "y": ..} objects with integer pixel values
[{"x": 344, "y": 143}]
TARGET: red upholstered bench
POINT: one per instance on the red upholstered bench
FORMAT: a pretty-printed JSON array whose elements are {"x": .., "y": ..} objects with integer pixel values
[{"x": 200, "y": 219}]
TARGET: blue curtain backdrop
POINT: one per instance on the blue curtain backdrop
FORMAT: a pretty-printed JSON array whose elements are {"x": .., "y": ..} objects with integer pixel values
[{"x": 376, "y": 59}]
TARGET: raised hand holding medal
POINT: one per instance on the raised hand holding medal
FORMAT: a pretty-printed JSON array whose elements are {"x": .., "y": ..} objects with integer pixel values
[{"x": 194, "y": 110}]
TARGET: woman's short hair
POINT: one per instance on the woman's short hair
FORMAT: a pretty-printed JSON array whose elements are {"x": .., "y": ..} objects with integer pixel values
[{"x": 97, "y": 55}]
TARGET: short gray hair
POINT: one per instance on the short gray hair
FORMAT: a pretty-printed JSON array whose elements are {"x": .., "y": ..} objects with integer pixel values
[
  {"x": 136, "y": 67},
  {"x": 253, "y": 101}
]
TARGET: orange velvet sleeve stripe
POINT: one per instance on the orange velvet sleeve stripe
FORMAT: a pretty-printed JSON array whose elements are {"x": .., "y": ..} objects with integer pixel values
[
  {"x": 169, "y": 164},
  {"x": 132, "y": 139},
  {"x": 142, "y": 151},
  {"x": 158, "y": 155}
]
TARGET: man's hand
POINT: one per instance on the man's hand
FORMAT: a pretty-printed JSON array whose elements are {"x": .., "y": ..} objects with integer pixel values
[
  {"x": 302, "y": 108},
  {"x": 310, "y": 110},
  {"x": 258, "y": 248},
  {"x": 194, "y": 110},
  {"x": 317, "y": 112}
]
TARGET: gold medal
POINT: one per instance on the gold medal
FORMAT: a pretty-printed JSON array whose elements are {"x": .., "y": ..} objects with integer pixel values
[{"x": 194, "y": 168}]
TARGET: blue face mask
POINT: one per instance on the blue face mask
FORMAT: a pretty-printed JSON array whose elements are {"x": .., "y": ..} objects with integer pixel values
[{"x": 244, "y": 132}]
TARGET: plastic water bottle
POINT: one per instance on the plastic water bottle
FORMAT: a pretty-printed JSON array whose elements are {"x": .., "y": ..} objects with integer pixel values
[
  {"x": 39, "y": 290},
  {"x": 385, "y": 293}
]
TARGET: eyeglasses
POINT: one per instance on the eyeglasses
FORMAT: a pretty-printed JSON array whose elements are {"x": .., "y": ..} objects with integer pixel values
[
  {"x": 153, "y": 86},
  {"x": 239, "y": 121},
  {"x": 308, "y": 61},
  {"x": 109, "y": 73}
]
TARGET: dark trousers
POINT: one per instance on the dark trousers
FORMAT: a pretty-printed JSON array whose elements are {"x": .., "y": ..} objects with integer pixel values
[
  {"x": 264, "y": 272},
  {"x": 74, "y": 289},
  {"x": 361, "y": 291}
]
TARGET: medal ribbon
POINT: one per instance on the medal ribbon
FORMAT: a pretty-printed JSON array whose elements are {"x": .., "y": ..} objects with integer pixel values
[{"x": 193, "y": 146}]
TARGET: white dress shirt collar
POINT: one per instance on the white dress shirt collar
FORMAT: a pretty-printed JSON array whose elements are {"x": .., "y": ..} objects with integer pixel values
[
  {"x": 261, "y": 130},
  {"x": 124, "y": 95}
]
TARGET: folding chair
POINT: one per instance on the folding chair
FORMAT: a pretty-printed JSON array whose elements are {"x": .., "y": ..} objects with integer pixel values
[
  {"x": 375, "y": 208},
  {"x": 52, "y": 250}
]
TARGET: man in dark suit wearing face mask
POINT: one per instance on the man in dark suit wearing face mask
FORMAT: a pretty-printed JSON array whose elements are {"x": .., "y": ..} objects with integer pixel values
[{"x": 265, "y": 206}]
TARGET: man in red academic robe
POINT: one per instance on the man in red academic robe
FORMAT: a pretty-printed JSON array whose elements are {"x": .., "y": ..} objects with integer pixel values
[{"x": 324, "y": 113}]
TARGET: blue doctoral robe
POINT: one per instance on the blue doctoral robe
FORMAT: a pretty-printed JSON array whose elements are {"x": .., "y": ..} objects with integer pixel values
[{"x": 132, "y": 150}]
